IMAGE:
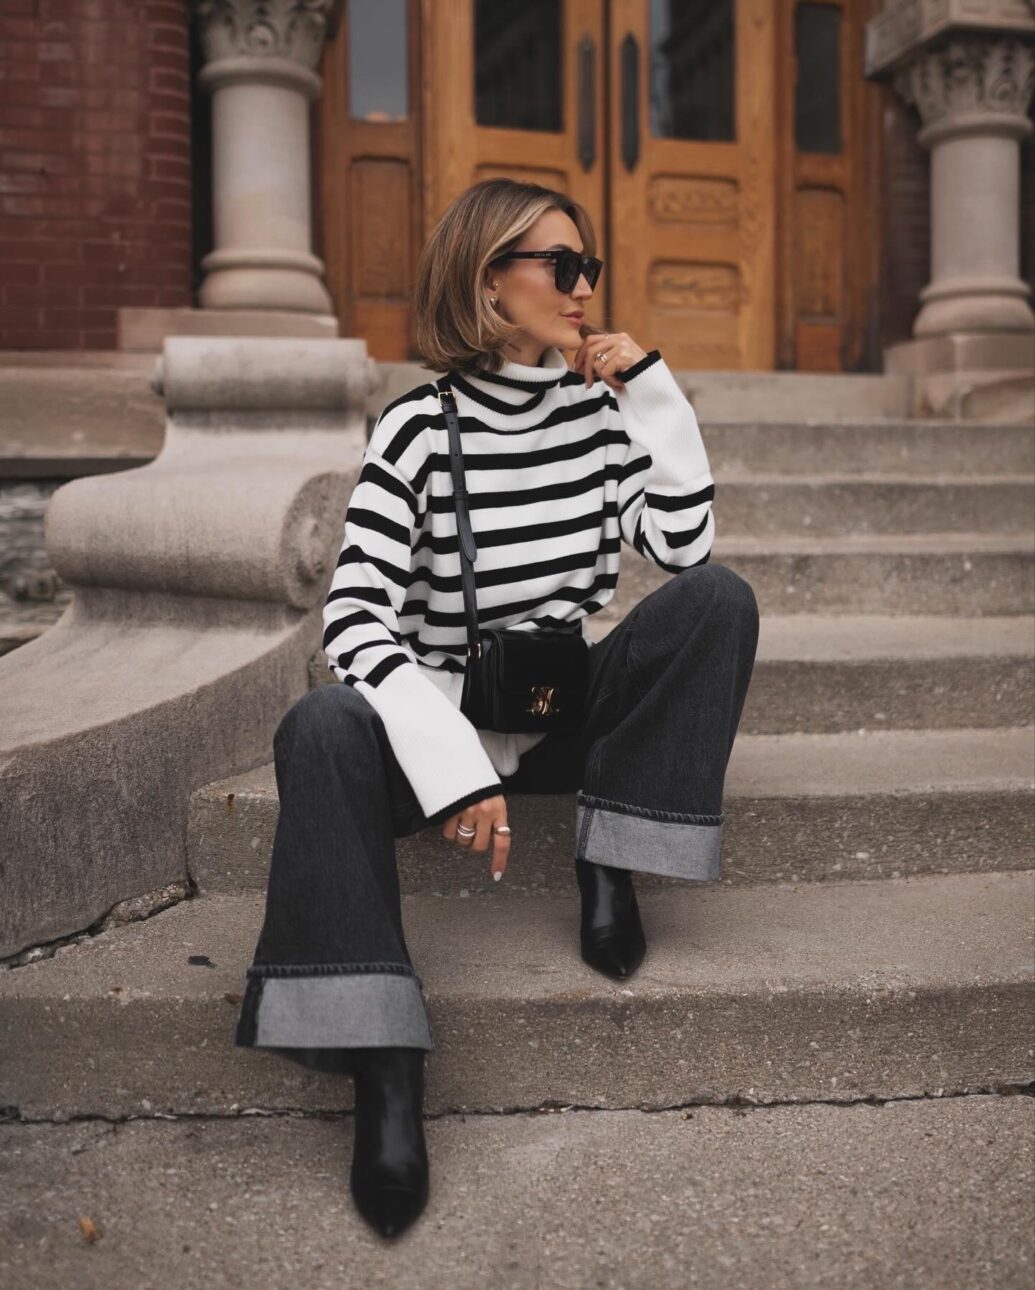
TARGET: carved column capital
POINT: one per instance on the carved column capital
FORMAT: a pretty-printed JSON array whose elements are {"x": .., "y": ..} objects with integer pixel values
[
  {"x": 970, "y": 79},
  {"x": 291, "y": 29}
]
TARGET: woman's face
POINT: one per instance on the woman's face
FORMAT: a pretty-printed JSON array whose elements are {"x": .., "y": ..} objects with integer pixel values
[{"x": 527, "y": 294}]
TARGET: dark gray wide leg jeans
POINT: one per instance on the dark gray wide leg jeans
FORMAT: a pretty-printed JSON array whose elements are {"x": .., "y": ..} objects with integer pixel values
[{"x": 667, "y": 685}]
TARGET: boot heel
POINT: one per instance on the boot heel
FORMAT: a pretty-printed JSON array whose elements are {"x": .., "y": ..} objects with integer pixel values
[{"x": 389, "y": 1173}]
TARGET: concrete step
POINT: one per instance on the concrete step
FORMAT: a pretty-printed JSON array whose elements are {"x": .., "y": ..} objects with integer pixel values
[
  {"x": 932, "y": 573},
  {"x": 828, "y": 505},
  {"x": 740, "y": 396},
  {"x": 816, "y": 673},
  {"x": 860, "y": 447},
  {"x": 931, "y": 1194},
  {"x": 803, "y": 808},
  {"x": 70, "y": 413},
  {"x": 777, "y": 993}
]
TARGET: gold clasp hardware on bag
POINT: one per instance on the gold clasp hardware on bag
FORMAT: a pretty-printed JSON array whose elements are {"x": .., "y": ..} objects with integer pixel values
[{"x": 542, "y": 701}]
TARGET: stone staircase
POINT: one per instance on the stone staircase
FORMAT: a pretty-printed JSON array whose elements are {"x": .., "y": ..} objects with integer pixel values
[
  {"x": 870, "y": 938},
  {"x": 876, "y": 892}
]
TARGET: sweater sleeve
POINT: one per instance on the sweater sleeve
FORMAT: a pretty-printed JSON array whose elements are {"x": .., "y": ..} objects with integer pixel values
[
  {"x": 666, "y": 489},
  {"x": 437, "y": 747}
]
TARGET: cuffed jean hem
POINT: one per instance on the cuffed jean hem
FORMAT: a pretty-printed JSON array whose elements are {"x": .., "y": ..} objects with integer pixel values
[
  {"x": 662, "y": 842},
  {"x": 328, "y": 1005}
]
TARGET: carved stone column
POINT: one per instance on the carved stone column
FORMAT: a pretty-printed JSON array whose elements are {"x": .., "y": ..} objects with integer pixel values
[
  {"x": 968, "y": 66},
  {"x": 260, "y": 60},
  {"x": 973, "y": 95}
]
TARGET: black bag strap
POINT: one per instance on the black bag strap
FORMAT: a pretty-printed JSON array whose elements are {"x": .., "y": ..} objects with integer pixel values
[{"x": 465, "y": 534}]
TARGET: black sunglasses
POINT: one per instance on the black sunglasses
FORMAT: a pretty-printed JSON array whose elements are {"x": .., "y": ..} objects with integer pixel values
[{"x": 567, "y": 266}]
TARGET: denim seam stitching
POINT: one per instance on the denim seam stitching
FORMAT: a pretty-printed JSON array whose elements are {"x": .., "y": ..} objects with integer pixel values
[
  {"x": 624, "y": 808},
  {"x": 326, "y": 969},
  {"x": 587, "y": 815}
]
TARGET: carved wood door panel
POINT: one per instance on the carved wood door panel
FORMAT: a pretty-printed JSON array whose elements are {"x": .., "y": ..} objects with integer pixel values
[
  {"x": 827, "y": 249},
  {"x": 516, "y": 91},
  {"x": 691, "y": 195},
  {"x": 720, "y": 147}
]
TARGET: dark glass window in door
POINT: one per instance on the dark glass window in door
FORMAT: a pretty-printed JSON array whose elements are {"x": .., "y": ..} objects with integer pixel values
[
  {"x": 817, "y": 90},
  {"x": 692, "y": 69},
  {"x": 517, "y": 64},
  {"x": 378, "y": 80}
]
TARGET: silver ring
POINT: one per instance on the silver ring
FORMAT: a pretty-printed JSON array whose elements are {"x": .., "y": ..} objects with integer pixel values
[
  {"x": 464, "y": 831},
  {"x": 503, "y": 828}
]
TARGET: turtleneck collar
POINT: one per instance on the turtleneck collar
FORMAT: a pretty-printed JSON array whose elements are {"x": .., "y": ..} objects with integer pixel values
[{"x": 516, "y": 387}]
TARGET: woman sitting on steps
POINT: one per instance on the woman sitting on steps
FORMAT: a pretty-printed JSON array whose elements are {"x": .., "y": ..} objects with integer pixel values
[{"x": 563, "y": 465}]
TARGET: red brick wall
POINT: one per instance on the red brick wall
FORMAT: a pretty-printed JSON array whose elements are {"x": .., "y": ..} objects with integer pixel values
[{"x": 95, "y": 167}]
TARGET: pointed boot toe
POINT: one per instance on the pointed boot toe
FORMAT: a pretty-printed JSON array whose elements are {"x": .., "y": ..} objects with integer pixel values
[
  {"x": 389, "y": 1174},
  {"x": 389, "y": 1209},
  {"x": 615, "y": 956}
]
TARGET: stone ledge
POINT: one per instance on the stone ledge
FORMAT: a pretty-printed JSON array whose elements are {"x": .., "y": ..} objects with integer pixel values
[
  {"x": 787, "y": 993},
  {"x": 819, "y": 808}
]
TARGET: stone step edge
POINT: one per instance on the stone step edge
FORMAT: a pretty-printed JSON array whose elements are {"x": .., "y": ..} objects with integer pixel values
[
  {"x": 854, "y": 479},
  {"x": 945, "y": 544},
  {"x": 856, "y": 639},
  {"x": 892, "y": 988},
  {"x": 755, "y": 753}
]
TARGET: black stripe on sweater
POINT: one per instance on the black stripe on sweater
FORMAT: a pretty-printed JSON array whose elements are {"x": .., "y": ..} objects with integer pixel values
[
  {"x": 375, "y": 474},
  {"x": 499, "y": 405},
  {"x": 378, "y": 523},
  {"x": 385, "y": 668},
  {"x": 514, "y": 535},
  {"x": 659, "y": 502},
  {"x": 415, "y": 425},
  {"x": 365, "y": 617},
  {"x": 648, "y": 360}
]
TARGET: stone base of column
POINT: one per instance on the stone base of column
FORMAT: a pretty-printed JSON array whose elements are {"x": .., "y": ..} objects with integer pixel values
[
  {"x": 974, "y": 376},
  {"x": 143, "y": 330}
]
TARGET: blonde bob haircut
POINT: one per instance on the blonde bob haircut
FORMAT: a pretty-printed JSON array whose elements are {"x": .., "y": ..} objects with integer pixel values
[{"x": 456, "y": 327}]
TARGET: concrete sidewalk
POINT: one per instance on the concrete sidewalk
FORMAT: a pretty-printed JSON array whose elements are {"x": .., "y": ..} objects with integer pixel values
[{"x": 922, "y": 1195}]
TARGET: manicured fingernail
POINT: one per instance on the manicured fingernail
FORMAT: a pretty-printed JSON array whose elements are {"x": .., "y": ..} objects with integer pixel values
[{"x": 497, "y": 875}]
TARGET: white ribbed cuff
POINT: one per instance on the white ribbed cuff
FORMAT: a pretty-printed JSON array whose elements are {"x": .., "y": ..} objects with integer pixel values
[
  {"x": 434, "y": 743},
  {"x": 658, "y": 416}
]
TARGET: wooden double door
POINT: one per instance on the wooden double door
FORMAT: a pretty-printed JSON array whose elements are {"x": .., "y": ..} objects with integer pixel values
[{"x": 722, "y": 147}]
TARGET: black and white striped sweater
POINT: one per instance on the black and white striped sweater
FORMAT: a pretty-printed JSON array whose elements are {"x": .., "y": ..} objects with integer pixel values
[{"x": 559, "y": 475}]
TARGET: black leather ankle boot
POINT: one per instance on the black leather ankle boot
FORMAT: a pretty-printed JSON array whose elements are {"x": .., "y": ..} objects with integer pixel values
[
  {"x": 389, "y": 1175},
  {"x": 611, "y": 936}
]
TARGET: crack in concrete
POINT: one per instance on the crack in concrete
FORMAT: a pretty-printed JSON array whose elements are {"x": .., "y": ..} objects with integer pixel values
[
  {"x": 135, "y": 909},
  {"x": 10, "y": 1115}
]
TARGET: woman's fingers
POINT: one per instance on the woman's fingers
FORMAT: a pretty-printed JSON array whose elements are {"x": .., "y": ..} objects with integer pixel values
[
  {"x": 500, "y": 853},
  {"x": 614, "y": 345},
  {"x": 483, "y": 817},
  {"x": 592, "y": 367}
]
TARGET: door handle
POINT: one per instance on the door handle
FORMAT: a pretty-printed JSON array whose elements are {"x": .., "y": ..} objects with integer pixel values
[
  {"x": 587, "y": 100},
  {"x": 629, "y": 61}
]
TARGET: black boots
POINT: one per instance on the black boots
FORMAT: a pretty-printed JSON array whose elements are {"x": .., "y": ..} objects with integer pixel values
[
  {"x": 611, "y": 935},
  {"x": 389, "y": 1177}
]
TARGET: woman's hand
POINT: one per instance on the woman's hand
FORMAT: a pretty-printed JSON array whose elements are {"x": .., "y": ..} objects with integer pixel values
[
  {"x": 483, "y": 817},
  {"x": 621, "y": 352}
]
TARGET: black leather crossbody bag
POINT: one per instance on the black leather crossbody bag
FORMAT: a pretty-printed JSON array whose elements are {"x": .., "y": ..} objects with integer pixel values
[{"x": 515, "y": 680}]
